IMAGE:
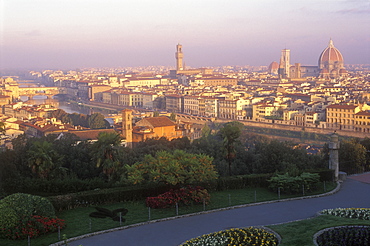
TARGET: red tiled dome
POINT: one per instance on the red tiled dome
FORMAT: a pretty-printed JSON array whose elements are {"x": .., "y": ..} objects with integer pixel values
[
  {"x": 330, "y": 53},
  {"x": 274, "y": 65}
]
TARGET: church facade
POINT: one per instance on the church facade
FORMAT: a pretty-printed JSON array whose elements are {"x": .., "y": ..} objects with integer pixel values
[{"x": 330, "y": 65}]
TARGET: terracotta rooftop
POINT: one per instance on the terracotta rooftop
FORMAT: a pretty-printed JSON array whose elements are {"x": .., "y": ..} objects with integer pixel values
[
  {"x": 339, "y": 106},
  {"x": 90, "y": 134},
  {"x": 159, "y": 121}
]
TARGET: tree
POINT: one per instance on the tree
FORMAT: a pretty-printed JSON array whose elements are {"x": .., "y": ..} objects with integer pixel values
[
  {"x": 230, "y": 134},
  {"x": 173, "y": 117},
  {"x": 105, "y": 153},
  {"x": 2, "y": 127},
  {"x": 97, "y": 121},
  {"x": 366, "y": 143},
  {"x": 352, "y": 156},
  {"x": 42, "y": 158},
  {"x": 177, "y": 168}
]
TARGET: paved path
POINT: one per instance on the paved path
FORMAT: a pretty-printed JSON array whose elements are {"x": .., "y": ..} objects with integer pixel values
[{"x": 173, "y": 232}]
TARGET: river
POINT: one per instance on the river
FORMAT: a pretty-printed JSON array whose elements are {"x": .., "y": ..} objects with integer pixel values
[{"x": 69, "y": 108}]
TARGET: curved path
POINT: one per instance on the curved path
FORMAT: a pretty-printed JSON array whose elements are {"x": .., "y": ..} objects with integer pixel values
[{"x": 353, "y": 193}]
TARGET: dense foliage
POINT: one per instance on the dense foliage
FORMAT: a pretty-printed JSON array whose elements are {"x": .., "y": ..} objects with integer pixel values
[
  {"x": 237, "y": 236},
  {"x": 53, "y": 165}
]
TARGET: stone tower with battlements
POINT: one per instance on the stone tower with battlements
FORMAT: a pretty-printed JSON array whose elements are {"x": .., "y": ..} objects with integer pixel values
[{"x": 179, "y": 56}]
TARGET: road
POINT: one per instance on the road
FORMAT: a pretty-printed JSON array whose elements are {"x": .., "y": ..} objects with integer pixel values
[{"x": 353, "y": 193}]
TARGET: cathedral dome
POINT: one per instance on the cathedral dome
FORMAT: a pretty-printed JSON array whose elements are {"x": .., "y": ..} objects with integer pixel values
[
  {"x": 330, "y": 54},
  {"x": 273, "y": 67}
]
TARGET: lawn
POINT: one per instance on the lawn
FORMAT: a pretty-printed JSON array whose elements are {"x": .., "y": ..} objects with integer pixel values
[
  {"x": 301, "y": 232},
  {"x": 79, "y": 223}
]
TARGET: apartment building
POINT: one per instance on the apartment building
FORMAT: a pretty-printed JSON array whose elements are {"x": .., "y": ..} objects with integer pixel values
[
  {"x": 362, "y": 121},
  {"x": 341, "y": 116},
  {"x": 174, "y": 103},
  {"x": 231, "y": 109},
  {"x": 191, "y": 105}
]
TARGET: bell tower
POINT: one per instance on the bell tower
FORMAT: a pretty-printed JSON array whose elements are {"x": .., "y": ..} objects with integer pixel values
[
  {"x": 179, "y": 56},
  {"x": 284, "y": 66},
  {"x": 127, "y": 126}
]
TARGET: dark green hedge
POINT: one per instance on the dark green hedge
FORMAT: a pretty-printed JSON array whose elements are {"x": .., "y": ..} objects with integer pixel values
[
  {"x": 104, "y": 196},
  {"x": 55, "y": 186},
  {"x": 134, "y": 193},
  {"x": 242, "y": 181},
  {"x": 325, "y": 174}
]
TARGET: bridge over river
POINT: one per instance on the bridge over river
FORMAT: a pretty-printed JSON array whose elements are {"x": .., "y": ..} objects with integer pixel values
[{"x": 30, "y": 92}]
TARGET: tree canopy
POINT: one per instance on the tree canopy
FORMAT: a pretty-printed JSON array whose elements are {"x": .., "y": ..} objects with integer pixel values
[{"x": 175, "y": 168}]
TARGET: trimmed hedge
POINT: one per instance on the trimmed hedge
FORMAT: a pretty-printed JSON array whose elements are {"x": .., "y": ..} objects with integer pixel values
[
  {"x": 134, "y": 193},
  {"x": 294, "y": 184},
  {"x": 55, "y": 186},
  {"x": 242, "y": 181},
  {"x": 104, "y": 196}
]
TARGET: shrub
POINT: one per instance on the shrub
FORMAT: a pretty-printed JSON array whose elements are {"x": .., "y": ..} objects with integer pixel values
[
  {"x": 104, "y": 196},
  {"x": 185, "y": 196},
  {"x": 293, "y": 185},
  {"x": 56, "y": 186},
  {"x": 27, "y": 205},
  {"x": 8, "y": 217},
  {"x": 24, "y": 215},
  {"x": 32, "y": 227},
  {"x": 242, "y": 181},
  {"x": 325, "y": 174}
]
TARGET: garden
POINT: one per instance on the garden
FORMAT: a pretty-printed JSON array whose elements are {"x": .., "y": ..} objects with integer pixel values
[{"x": 77, "y": 187}]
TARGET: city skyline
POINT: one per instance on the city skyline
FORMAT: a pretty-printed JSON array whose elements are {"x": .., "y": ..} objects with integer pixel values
[{"x": 74, "y": 34}]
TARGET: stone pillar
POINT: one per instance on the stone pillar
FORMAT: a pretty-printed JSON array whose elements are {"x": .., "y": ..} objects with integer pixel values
[{"x": 333, "y": 155}]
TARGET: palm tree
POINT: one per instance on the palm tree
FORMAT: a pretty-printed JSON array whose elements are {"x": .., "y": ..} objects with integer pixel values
[
  {"x": 42, "y": 158},
  {"x": 105, "y": 152}
]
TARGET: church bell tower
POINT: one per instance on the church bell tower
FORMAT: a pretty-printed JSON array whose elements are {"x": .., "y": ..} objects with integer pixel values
[
  {"x": 127, "y": 126},
  {"x": 284, "y": 66}
]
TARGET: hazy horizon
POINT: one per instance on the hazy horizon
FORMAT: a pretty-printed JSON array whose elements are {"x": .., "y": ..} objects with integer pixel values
[{"x": 73, "y": 34}]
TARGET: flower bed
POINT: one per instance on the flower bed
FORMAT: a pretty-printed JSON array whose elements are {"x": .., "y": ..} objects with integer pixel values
[
  {"x": 185, "y": 196},
  {"x": 32, "y": 227},
  {"x": 355, "y": 213},
  {"x": 343, "y": 236},
  {"x": 237, "y": 236}
]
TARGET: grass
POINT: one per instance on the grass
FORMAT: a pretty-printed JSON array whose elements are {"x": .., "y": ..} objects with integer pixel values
[
  {"x": 79, "y": 223},
  {"x": 301, "y": 232}
]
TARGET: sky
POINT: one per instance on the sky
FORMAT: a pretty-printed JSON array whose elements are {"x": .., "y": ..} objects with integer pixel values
[{"x": 70, "y": 34}]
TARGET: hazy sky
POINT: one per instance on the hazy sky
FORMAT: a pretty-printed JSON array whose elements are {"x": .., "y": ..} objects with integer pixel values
[{"x": 69, "y": 34}]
